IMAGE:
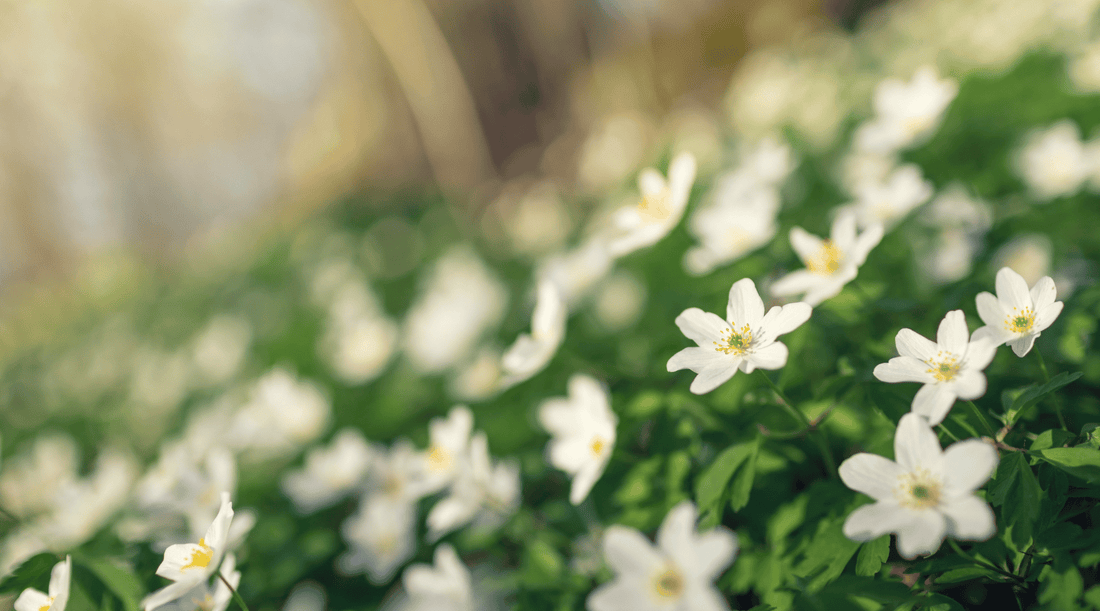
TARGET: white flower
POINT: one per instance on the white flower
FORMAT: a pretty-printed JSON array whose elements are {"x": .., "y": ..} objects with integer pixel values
[
  {"x": 950, "y": 367},
  {"x": 676, "y": 574},
  {"x": 531, "y": 353},
  {"x": 220, "y": 348},
  {"x": 381, "y": 535},
  {"x": 282, "y": 414},
  {"x": 831, "y": 263},
  {"x": 954, "y": 208},
  {"x": 576, "y": 272},
  {"x": 740, "y": 219},
  {"x": 746, "y": 342},
  {"x": 906, "y": 113},
  {"x": 82, "y": 507},
  {"x": 449, "y": 441},
  {"x": 443, "y": 587},
  {"x": 889, "y": 200},
  {"x": 1016, "y": 315},
  {"x": 330, "y": 473},
  {"x": 30, "y": 480},
  {"x": 479, "y": 378},
  {"x": 57, "y": 599},
  {"x": 396, "y": 474},
  {"x": 1054, "y": 162},
  {"x": 203, "y": 597},
  {"x": 662, "y": 207},
  {"x": 583, "y": 429},
  {"x": 482, "y": 489},
  {"x": 189, "y": 564},
  {"x": 927, "y": 494}
]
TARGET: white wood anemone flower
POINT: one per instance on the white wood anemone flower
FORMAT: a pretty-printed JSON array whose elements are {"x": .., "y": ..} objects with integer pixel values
[
  {"x": 924, "y": 496},
  {"x": 330, "y": 473},
  {"x": 190, "y": 564},
  {"x": 531, "y": 354},
  {"x": 831, "y": 263},
  {"x": 746, "y": 340},
  {"x": 662, "y": 207},
  {"x": 907, "y": 112},
  {"x": 676, "y": 574},
  {"x": 1016, "y": 315},
  {"x": 483, "y": 491},
  {"x": 583, "y": 429},
  {"x": 60, "y": 579},
  {"x": 203, "y": 597},
  {"x": 442, "y": 462},
  {"x": 950, "y": 367},
  {"x": 442, "y": 586}
]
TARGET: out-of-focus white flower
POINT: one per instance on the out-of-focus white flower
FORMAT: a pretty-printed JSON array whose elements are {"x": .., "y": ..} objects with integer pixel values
[
  {"x": 381, "y": 536},
  {"x": 613, "y": 150},
  {"x": 329, "y": 474},
  {"x": 924, "y": 496},
  {"x": 740, "y": 219},
  {"x": 220, "y": 348},
  {"x": 203, "y": 597},
  {"x": 1028, "y": 255},
  {"x": 831, "y": 263},
  {"x": 282, "y": 414},
  {"x": 1017, "y": 316},
  {"x": 1084, "y": 69},
  {"x": 449, "y": 442},
  {"x": 662, "y": 207},
  {"x": 461, "y": 300},
  {"x": 620, "y": 301},
  {"x": 359, "y": 339},
  {"x": 769, "y": 162},
  {"x": 397, "y": 474},
  {"x": 483, "y": 490},
  {"x": 19, "y": 545},
  {"x": 1054, "y": 162},
  {"x": 536, "y": 221},
  {"x": 575, "y": 272},
  {"x": 306, "y": 596},
  {"x": 949, "y": 368},
  {"x": 959, "y": 222},
  {"x": 889, "y": 201},
  {"x": 480, "y": 378},
  {"x": 906, "y": 114},
  {"x": 859, "y": 168},
  {"x": 190, "y": 564},
  {"x": 160, "y": 381},
  {"x": 445, "y": 586},
  {"x": 949, "y": 257},
  {"x": 58, "y": 598},
  {"x": 583, "y": 429},
  {"x": 676, "y": 574},
  {"x": 746, "y": 342},
  {"x": 955, "y": 208},
  {"x": 30, "y": 480},
  {"x": 530, "y": 354},
  {"x": 83, "y": 506}
]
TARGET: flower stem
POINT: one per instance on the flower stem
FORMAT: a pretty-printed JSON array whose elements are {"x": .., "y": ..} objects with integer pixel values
[
  {"x": 983, "y": 563},
  {"x": 236, "y": 596},
  {"x": 784, "y": 402},
  {"x": 1054, "y": 400},
  {"x": 817, "y": 435},
  {"x": 981, "y": 418},
  {"x": 1042, "y": 366}
]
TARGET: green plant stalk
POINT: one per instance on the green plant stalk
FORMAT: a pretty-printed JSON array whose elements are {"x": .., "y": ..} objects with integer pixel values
[
  {"x": 981, "y": 418},
  {"x": 983, "y": 563},
  {"x": 1053, "y": 400},
  {"x": 236, "y": 596},
  {"x": 817, "y": 435}
]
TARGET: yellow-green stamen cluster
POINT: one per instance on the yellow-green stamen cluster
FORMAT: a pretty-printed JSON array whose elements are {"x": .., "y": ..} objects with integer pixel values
[
  {"x": 944, "y": 367},
  {"x": 1020, "y": 321},
  {"x": 918, "y": 490},
  {"x": 737, "y": 342}
]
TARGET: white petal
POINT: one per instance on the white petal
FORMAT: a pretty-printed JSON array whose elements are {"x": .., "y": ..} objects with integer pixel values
[
  {"x": 953, "y": 335},
  {"x": 969, "y": 385},
  {"x": 1023, "y": 345},
  {"x": 1043, "y": 293},
  {"x": 557, "y": 416},
  {"x": 830, "y": 286},
  {"x": 1046, "y": 316},
  {"x": 584, "y": 480},
  {"x": 922, "y": 534},
  {"x": 915, "y": 444},
  {"x": 871, "y": 474},
  {"x": 745, "y": 306},
  {"x": 867, "y": 240},
  {"x": 570, "y": 453},
  {"x": 805, "y": 244},
  {"x": 677, "y": 529},
  {"x": 872, "y": 521},
  {"x": 681, "y": 175},
  {"x": 969, "y": 518},
  {"x": 995, "y": 335},
  {"x": 695, "y": 359},
  {"x": 701, "y": 327},
  {"x": 796, "y": 282},
  {"x": 1012, "y": 289},
  {"x": 910, "y": 343},
  {"x": 967, "y": 465},
  {"x": 981, "y": 350},
  {"x": 651, "y": 183},
  {"x": 904, "y": 369},
  {"x": 60, "y": 580},
  {"x": 714, "y": 551},
  {"x": 629, "y": 552},
  {"x": 178, "y": 562},
  {"x": 843, "y": 231},
  {"x": 168, "y": 593},
  {"x": 773, "y": 356},
  {"x": 990, "y": 309},
  {"x": 933, "y": 401},
  {"x": 621, "y": 595},
  {"x": 31, "y": 600},
  {"x": 702, "y": 596},
  {"x": 783, "y": 319},
  {"x": 714, "y": 376}
]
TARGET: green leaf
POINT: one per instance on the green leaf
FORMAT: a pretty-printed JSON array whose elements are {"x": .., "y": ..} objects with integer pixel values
[
  {"x": 1051, "y": 439},
  {"x": 969, "y": 573},
  {"x": 742, "y": 482},
  {"x": 543, "y": 564},
  {"x": 1023, "y": 502},
  {"x": 120, "y": 581},
  {"x": 871, "y": 556},
  {"x": 33, "y": 572},
  {"x": 1003, "y": 480},
  {"x": 1031, "y": 395},
  {"x": 1060, "y": 584},
  {"x": 1082, "y": 462},
  {"x": 710, "y": 486}
]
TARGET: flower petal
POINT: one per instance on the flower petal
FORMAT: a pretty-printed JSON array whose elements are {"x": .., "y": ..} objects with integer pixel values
[
  {"x": 805, "y": 244},
  {"x": 1023, "y": 345},
  {"x": 1012, "y": 289},
  {"x": 622, "y": 593},
  {"x": 798, "y": 281},
  {"x": 168, "y": 593},
  {"x": 695, "y": 359},
  {"x": 990, "y": 309},
  {"x": 933, "y": 401},
  {"x": 915, "y": 444},
  {"x": 629, "y": 552},
  {"x": 904, "y": 369},
  {"x": 701, "y": 596},
  {"x": 969, "y": 518},
  {"x": 843, "y": 231},
  {"x": 872, "y": 521},
  {"x": 953, "y": 335},
  {"x": 31, "y": 600},
  {"x": 1046, "y": 316},
  {"x": 871, "y": 474},
  {"x": 773, "y": 356},
  {"x": 714, "y": 376},
  {"x": 911, "y": 343},
  {"x": 701, "y": 327},
  {"x": 981, "y": 350},
  {"x": 783, "y": 319},
  {"x": 745, "y": 306},
  {"x": 922, "y": 534},
  {"x": 584, "y": 480},
  {"x": 967, "y": 465},
  {"x": 867, "y": 240},
  {"x": 1043, "y": 293},
  {"x": 60, "y": 580},
  {"x": 969, "y": 385}
]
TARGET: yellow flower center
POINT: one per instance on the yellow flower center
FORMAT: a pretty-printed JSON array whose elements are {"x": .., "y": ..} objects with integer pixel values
[
  {"x": 1020, "y": 321},
  {"x": 944, "y": 367},
  {"x": 439, "y": 459},
  {"x": 918, "y": 490},
  {"x": 201, "y": 558},
  {"x": 46, "y": 607},
  {"x": 827, "y": 260},
  {"x": 654, "y": 208},
  {"x": 669, "y": 583},
  {"x": 737, "y": 342},
  {"x": 597, "y": 446}
]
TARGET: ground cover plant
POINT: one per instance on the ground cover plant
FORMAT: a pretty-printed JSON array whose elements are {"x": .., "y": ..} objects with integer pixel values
[{"x": 703, "y": 400}]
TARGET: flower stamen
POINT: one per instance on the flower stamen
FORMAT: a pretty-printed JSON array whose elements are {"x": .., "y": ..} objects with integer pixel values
[
  {"x": 655, "y": 208},
  {"x": 827, "y": 260},
  {"x": 669, "y": 583},
  {"x": 944, "y": 367},
  {"x": 737, "y": 343},
  {"x": 439, "y": 459},
  {"x": 201, "y": 558},
  {"x": 597, "y": 446},
  {"x": 918, "y": 490},
  {"x": 1020, "y": 321}
]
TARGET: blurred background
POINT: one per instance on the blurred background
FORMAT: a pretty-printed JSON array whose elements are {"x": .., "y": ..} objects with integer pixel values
[{"x": 145, "y": 127}]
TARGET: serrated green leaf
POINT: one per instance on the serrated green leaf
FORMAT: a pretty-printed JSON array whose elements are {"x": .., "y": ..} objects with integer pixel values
[
  {"x": 1082, "y": 462},
  {"x": 33, "y": 572},
  {"x": 742, "y": 482},
  {"x": 872, "y": 555}
]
